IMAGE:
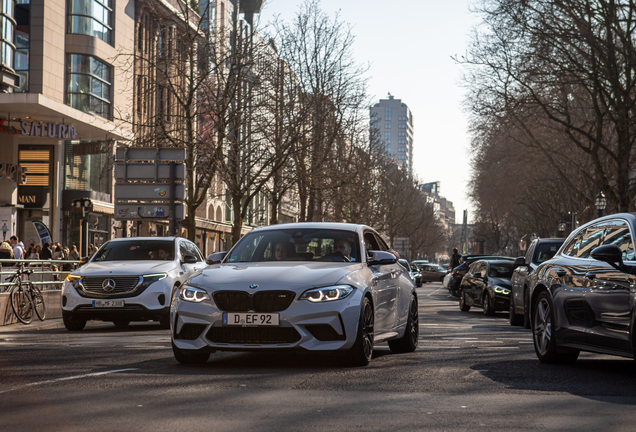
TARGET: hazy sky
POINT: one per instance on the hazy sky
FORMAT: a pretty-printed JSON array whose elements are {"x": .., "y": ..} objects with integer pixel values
[{"x": 409, "y": 44}]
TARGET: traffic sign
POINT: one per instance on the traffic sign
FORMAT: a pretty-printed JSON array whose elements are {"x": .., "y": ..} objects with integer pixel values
[
  {"x": 148, "y": 171},
  {"x": 148, "y": 191},
  {"x": 150, "y": 153},
  {"x": 130, "y": 211}
]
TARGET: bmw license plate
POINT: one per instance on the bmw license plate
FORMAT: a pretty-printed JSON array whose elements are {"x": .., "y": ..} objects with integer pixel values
[
  {"x": 108, "y": 303},
  {"x": 250, "y": 319}
]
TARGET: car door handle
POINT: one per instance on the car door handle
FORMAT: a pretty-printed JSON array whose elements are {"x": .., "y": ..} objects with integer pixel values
[
  {"x": 560, "y": 272},
  {"x": 590, "y": 275}
]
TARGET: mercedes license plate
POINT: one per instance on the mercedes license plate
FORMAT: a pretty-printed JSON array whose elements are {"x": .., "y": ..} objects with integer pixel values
[
  {"x": 108, "y": 303},
  {"x": 250, "y": 319}
]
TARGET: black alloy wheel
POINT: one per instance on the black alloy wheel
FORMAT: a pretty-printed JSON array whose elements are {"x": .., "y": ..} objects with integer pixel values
[
  {"x": 73, "y": 324},
  {"x": 362, "y": 351},
  {"x": 408, "y": 342},
  {"x": 463, "y": 305},
  {"x": 545, "y": 344},
  {"x": 487, "y": 305},
  {"x": 190, "y": 356}
]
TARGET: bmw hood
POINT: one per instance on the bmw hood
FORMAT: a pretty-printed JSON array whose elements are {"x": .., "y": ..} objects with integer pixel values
[
  {"x": 124, "y": 268},
  {"x": 273, "y": 275},
  {"x": 502, "y": 282}
]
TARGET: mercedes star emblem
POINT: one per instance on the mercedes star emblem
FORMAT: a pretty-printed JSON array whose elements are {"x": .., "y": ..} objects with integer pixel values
[
  {"x": 254, "y": 286},
  {"x": 108, "y": 285}
]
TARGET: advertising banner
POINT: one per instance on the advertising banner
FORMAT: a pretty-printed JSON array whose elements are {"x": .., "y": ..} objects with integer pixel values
[{"x": 43, "y": 232}]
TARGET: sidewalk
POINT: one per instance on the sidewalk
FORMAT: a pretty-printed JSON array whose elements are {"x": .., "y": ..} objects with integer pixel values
[{"x": 48, "y": 324}]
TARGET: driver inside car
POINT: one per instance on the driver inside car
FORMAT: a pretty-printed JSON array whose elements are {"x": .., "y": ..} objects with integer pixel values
[{"x": 343, "y": 247}]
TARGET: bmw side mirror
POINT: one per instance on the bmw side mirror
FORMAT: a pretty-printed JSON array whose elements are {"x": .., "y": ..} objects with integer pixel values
[
  {"x": 381, "y": 258},
  {"x": 215, "y": 258},
  {"x": 521, "y": 261},
  {"x": 189, "y": 259},
  {"x": 610, "y": 254}
]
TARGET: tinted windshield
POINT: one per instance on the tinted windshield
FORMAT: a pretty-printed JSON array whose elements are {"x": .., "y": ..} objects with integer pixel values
[
  {"x": 297, "y": 245},
  {"x": 136, "y": 250},
  {"x": 501, "y": 270}
]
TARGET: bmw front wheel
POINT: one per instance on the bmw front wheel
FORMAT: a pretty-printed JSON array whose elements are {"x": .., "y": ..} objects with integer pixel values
[
  {"x": 545, "y": 344},
  {"x": 408, "y": 342},
  {"x": 362, "y": 351}
]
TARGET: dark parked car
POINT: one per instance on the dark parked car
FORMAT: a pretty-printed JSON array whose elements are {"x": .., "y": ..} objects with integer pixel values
[
  {"x": 487, "y": 285},
  {"x": 540, "y": 250},
  {"x": 583, "y": 298},
  {"x": 459, "y": 271},
  {"x": 432, "y": 273}
]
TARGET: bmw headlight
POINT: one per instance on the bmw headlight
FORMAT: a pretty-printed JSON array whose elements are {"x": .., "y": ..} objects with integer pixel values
[
  {"x": 193, "y": 294},
  {"x": 501, "y": 290},
  {"x": 327, "y": 294},
  {"x": 149, "y": 279}
]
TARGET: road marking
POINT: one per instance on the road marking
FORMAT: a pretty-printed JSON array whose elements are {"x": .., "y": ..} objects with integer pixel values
[
  {"x": 69, "y": 378},
  {"x": 434, "y": 291},
  {"x": 497, "y": 347}
]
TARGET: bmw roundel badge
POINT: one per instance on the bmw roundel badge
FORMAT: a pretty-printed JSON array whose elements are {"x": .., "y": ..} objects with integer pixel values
[{"x": 254, "y": 286}]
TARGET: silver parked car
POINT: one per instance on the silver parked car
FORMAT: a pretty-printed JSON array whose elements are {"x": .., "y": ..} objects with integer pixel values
[{"x": 313, "y": 286}]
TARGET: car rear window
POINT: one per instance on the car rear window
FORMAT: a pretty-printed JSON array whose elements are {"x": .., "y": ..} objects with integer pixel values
[{"x": 136, "y": 250}]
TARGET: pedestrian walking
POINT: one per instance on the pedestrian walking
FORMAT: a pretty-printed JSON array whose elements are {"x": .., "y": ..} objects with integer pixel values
[{"x": 455, "y": 259}]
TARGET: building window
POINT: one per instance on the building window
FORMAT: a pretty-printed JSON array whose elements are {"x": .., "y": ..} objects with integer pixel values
[
  {"x": 401, "y": 141},
  {"x": 387, "y": 137},
  {"x": 402, "y": 133},
  {"x": 91, "y": 17},
  {"x": 402, "y": 126},
  {"x": 387, "y": 126},
  {"x": 402, "y": 118},
  {"x": 21, "y": 64},
  {"x": 401, "y": 157},
  {"x": 402, "y": 149},
  {"x": 387, "y": 113},
  {"x": 374, "y": 118},
  {"x": 88, "y": 86}
]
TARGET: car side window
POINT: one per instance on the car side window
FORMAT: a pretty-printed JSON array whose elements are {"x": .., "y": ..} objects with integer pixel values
[
  {"x": 370, "y": 242},
  {"x": 618, "y": 234},
  {"x": 590, "y": 240},
  {"x": 194, "y": 251},
  {"x": 183, "y": 248},
  {"x": 381, "y": 243},
  {"x": 476, "y": 268},
  {"x": 570, "y": 249}
]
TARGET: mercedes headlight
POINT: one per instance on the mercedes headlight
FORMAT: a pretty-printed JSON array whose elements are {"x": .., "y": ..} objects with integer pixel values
[
  {"x": 193, "y": 294},
  {"x": 501, "y": 290},
  {"x": 74, "y": 280},
  {"x": 149, "y": 279},
  {"x": 327, "y": 294}
]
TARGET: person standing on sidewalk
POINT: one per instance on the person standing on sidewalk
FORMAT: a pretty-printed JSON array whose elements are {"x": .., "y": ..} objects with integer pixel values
[{"x": 455, "y": 259}]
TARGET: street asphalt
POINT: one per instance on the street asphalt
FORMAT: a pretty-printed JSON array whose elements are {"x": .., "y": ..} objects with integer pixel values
[{"x": 469, "y": 372}]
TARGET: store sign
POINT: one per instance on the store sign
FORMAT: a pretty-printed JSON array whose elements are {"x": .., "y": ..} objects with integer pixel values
[
  {"x": 49, "y": 130},
  {"x": 40, "y": 129},
  {"x": 31, "y": 196}
]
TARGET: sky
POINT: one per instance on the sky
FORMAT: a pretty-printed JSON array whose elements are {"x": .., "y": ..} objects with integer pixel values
[{"x": 409, "y": 44}]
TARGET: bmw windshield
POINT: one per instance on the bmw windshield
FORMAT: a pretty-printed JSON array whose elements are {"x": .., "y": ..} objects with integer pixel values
[{"x": 296, "y": 245}]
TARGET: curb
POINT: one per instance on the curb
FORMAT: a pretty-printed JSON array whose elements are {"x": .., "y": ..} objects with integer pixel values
[{"x": 35, "y": 325}]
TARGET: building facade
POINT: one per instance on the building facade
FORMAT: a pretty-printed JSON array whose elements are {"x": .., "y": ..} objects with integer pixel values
[
  {"x": 57, "y": 127},
  {"x": 392, "y": 125}
]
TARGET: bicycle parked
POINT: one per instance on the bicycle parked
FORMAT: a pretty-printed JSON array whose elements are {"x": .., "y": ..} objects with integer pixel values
[{"x": 26, "y": 298}]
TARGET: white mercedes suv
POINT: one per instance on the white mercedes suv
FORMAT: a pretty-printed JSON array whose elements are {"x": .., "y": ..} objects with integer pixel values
[{"x": 129, "y": 279}]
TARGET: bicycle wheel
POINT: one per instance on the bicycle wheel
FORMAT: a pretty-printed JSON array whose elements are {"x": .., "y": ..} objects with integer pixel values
[
  {"x": 38, "y": 302},
  {"x": 21, "y": 304}
]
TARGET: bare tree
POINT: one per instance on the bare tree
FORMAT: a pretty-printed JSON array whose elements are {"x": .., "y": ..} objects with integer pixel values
[{"x": 566, "y": 67}]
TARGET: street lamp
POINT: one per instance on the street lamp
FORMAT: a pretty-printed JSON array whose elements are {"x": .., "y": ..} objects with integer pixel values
[{"x": 600, "y": 203}]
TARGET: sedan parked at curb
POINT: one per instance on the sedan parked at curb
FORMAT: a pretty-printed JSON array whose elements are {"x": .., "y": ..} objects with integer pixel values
[
  {"x": 324, "y": 287},
  {"x": 432, "y": 273},
  {"x": 129, "y": 279},
  {"x": 540, "y": 250},
  {"x": 487, "y": 285},
  {"x": 583, "y": 299}
]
